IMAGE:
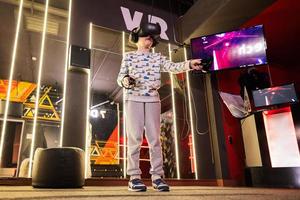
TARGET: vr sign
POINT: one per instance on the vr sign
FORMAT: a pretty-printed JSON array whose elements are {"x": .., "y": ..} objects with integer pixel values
[{"x": 135, "y": 20}]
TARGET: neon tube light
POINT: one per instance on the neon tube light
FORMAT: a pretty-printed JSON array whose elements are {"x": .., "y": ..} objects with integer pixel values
[
  {"x": 191, "y": 117},
  {"x": 124, "y": 114},
  {"x": 174, "y": 118},
  {"x": 38, "y": 89},
  {"x": 65, "y": 75}
]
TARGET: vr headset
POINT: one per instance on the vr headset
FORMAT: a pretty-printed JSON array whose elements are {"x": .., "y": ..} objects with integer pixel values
[{"x": 147, "y": 29}]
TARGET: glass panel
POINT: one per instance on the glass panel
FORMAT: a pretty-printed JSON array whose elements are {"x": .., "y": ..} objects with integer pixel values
[
  {"x": 52, "y": 81},
  {"x": 181, "y": 164},
  {"x": 52, "y": 76},
  {"x": 107, "y": 141},
  {"x": 22, "y": 84}
]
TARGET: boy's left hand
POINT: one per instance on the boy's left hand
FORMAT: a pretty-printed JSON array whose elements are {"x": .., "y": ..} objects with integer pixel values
[{"x": 196, "y": 64}]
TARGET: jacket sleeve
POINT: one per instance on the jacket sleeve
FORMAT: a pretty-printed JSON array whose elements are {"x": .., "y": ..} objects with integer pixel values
[
  {"x": 123, "y": 70},
  {"x": 169, "y": 66}
]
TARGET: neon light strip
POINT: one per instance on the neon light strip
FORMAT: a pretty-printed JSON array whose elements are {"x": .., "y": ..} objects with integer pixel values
[
  {"x": 124, "y": 114},
  {"x": 185, "y": 54},
  {"x": 90, "y": 35},
  {"x": 174, "y": 117},
  {"x": 38, "y": 90},
  {"x": 12, "y": 68},
  {"x": 87, "y": 123},
  {"x": 65, "y": 75},
  {"x": 191, "y": 116},
  {"x": 118, "y": 139}
]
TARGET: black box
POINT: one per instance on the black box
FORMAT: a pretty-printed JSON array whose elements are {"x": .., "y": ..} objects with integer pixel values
[{"x": 79, "y": 58}]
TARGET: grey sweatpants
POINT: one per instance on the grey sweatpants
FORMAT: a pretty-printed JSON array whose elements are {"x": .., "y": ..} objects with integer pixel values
[{"x": 140, "y": 115}]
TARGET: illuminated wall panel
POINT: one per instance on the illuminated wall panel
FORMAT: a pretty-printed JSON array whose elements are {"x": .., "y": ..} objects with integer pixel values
[{"x": 281, "y": 137}]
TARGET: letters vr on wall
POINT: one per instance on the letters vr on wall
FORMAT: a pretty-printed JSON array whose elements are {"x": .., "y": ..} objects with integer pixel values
[{"x": 132, "y": 21}]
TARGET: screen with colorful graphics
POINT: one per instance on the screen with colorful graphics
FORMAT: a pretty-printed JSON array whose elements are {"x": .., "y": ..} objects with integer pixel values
[
  {"x": 241, "y": 48},
  {"x": 275, "y": 95}
]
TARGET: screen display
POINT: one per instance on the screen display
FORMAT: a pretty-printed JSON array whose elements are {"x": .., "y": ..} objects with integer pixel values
[
  {"x": 275, "y": 96},
  {"x": 234, "y": 49}
]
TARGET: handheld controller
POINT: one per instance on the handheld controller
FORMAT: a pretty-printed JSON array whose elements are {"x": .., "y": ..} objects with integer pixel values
[
  {"x": 206, "y": 63},
  {"x": 131, "y": 82}
]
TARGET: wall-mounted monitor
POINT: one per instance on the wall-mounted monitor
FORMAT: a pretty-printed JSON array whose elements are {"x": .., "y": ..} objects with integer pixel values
[{"x": 234, "y": 49}]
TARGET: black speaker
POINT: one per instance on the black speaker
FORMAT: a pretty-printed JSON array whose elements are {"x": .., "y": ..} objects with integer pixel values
[{"x": 79, "y": 58}]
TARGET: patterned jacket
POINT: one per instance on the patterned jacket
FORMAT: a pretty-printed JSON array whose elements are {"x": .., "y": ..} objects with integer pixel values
[{"x": 145, "y": 68}]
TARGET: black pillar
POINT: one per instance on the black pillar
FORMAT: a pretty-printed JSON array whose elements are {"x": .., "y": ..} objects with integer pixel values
[{"x": 76, "y": 92}]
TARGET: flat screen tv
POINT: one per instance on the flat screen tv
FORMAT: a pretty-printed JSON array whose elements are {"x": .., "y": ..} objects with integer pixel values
[
  {"x": 234, "y": 49},
  {"x": 284, "y": 94}
]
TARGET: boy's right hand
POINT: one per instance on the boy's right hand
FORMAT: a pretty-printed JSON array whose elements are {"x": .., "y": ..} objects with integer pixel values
[{"x": 128, "y": 82}]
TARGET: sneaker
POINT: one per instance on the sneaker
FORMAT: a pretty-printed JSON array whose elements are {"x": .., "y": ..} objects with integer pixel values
[
  {"x": 160, "y": 185},
  {"x": 136, "y": 185}
]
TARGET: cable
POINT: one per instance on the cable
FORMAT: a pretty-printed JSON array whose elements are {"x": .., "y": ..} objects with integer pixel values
[
  {"x": 173, "y": 27},
  {"x": 184, "y": 116},
  {"x": 196, "y": 114},
  {"x": 151, "y": 13},
  {"x": 186, "y": 110}
]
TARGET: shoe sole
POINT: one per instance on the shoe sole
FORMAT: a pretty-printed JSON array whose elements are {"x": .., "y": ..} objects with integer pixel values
[
  {"x": 162, "y": 189},
  {"x": 137, "y": 190}
]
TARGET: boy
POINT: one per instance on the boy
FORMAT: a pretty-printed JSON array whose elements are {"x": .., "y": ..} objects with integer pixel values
[{"x": 140, "y": 76}]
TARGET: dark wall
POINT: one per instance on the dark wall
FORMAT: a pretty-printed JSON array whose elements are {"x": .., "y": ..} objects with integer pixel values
[
  {"x": 213, "y": 16},
  {"x": 108, "y": 14},
  {"x": 282, "y": 30}
]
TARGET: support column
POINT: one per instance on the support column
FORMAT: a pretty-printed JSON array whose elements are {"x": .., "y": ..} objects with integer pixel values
[
  {"x": 75, "y": 110},
  {"x": 74, "y": 127}
]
